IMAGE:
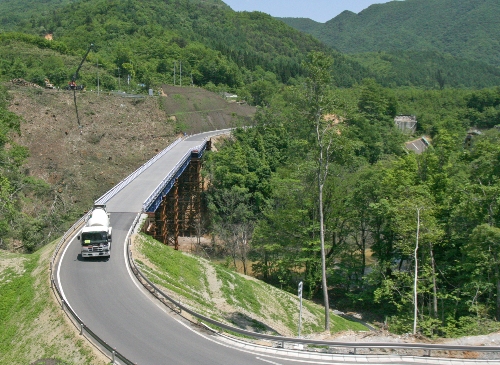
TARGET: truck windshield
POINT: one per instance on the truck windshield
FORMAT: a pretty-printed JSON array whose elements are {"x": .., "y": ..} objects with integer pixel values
[{"x": 92, "y": 238}]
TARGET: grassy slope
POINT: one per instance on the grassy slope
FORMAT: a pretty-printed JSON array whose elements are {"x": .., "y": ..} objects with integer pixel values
[
  {"x": 230, "y": 297},
  {"x": 32, "y": 326}
]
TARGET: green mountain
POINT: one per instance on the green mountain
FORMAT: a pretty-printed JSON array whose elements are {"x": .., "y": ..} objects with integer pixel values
[
  {"x": 145, "y": 39},
  {"x": 426, "y": 68},
  {"x": 463, "y": 28},
  {"x": 250, "y": 53},
  {"x": 17, "y": 14}
]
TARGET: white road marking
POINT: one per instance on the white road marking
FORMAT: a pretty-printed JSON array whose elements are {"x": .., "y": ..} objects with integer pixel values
[
  {"x": 270, "y": 362},
  {"x": 59, "y": 271},
  {"x": 132, "y": 276}
]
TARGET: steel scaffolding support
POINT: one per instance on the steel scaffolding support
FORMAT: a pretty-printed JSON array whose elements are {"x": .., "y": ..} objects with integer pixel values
[{"x": 180, "y": 211}]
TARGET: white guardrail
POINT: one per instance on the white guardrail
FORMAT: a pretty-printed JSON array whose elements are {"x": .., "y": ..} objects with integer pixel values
[
  {"x": 154, "y": 195},
  {"x": 280, "y": 340},
  {"x": 106, "y": 349},
  {"x": 114, "y": 355},
  {"x": 115, "y": 190}
]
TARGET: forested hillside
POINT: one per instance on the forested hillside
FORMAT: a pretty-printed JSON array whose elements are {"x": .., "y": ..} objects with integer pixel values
[
  {"x": 377, "y": 199},
  {"x": 323, "y": 171},
  {"x": 427, "y": 43},
  {"x": 16, "y": 14},
  {"x": 463, "y": 28},
  {"x": 429, "y": 69},
  {"x": 248, "y": 53}
]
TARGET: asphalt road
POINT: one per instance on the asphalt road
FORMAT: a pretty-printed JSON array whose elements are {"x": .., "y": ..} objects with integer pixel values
[
  {"x": 107, "y": 298},
  {"x": 105, "y": 295}
]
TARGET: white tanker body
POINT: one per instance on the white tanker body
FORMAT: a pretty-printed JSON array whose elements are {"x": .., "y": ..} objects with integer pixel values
[{"x": 96, "y": 235}]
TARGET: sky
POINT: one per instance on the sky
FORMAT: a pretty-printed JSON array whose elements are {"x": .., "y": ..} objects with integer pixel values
[{"x": 319, "y": 10}]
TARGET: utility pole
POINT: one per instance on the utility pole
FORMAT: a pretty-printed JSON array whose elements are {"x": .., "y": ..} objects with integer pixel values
[
  {"x": 175, "y": 65},
  {"x": 97, "y": 76},
  {"x": 415, "y": 309},
  {"x": 180, "y": 72}
]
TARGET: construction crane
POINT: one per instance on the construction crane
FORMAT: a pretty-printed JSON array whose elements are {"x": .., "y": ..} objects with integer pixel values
[{"x": 72, "y": 83}]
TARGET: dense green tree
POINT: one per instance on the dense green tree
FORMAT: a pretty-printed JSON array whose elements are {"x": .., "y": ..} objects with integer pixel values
[
  {"x": 331, "y": 145},
  {"x": 484, "y": 108},
  {"x": 482, "y": 253},
  {"x": 374, "y": 122}
]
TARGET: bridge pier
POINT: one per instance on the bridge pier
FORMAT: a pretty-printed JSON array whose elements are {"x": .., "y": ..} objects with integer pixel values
[{"x": 180, "y": 211}]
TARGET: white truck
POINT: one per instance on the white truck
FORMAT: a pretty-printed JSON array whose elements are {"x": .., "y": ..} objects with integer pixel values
[{"x": 96, "y": 235}]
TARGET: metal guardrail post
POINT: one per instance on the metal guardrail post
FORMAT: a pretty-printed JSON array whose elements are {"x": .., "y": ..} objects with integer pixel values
[
  {"x": 117, "y": 188},
  {"x": 280, "y": 340}
]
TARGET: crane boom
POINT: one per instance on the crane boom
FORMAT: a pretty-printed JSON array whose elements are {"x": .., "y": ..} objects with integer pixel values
[
  {"x": 73, "y": 83},
  {"x": 75, "y": 75}
]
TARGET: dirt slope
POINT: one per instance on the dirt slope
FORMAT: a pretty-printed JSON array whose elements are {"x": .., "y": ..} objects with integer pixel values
[{"x": 116, "y": 136}]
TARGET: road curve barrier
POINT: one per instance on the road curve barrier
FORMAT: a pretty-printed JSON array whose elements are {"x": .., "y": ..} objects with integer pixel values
[
  {"x": 85, "y": 331},
  {"x": 115, "y": 356},
  {"x": 280, "y": 340}
]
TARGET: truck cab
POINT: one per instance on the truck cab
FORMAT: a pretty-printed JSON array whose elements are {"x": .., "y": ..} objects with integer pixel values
[{"x": 95, "y": 236}]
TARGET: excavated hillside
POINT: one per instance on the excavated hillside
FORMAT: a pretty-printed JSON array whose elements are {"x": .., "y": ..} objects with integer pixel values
[{"x": 117, "y": 133}]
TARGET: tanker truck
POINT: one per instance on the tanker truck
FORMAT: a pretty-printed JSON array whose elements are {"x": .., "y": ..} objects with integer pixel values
[{"x": 96, "y": 234}]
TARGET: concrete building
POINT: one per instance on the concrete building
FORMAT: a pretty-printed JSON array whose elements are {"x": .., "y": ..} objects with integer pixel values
[{"x": 407, "y": 123}]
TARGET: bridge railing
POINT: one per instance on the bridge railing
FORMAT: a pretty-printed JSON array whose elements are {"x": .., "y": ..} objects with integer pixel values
[
  {"x": 84, "y": 330},
  {"x": 161, "y": 186},
  {"x": 115, "y": 190}
]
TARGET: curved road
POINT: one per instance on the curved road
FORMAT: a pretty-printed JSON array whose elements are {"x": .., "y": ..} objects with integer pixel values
[{"x": 108, "y": 299}]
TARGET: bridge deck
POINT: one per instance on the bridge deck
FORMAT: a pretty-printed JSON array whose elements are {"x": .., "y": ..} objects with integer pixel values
[{"x": 131, "y": 197}]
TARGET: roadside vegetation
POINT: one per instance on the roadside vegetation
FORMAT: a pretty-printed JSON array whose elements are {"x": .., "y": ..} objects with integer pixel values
[
  {"x": 32, "y": 326},
  {"x": 265, "y": 207},
  {"x": 230, "y": 297},
  {"x": 320, "y": 190}
]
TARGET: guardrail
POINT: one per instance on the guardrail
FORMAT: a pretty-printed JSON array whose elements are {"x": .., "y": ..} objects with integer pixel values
[
  {"x": 107, "y": 349},
  {"x": 117, "y": 188},
  {"x": 84, "y": 330},
  {"x": 163, "y": 297},
  {"x": 161, "y": 186}
]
